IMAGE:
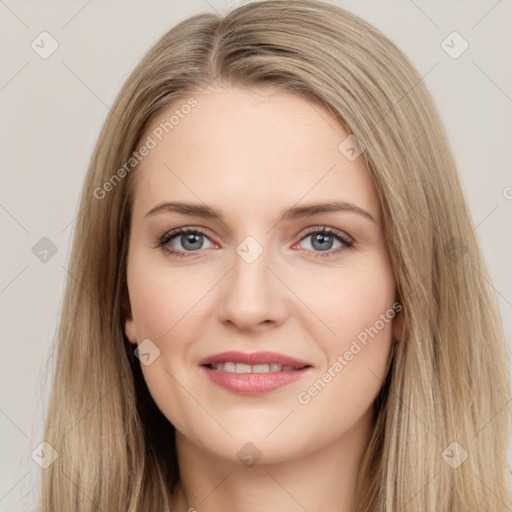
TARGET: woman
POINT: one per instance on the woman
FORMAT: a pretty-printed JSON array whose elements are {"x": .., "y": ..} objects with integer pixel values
[{"x": 277, "y": 299}]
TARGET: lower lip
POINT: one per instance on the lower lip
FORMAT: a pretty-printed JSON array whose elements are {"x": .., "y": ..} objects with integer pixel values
[{"x": 253, "y": 383}]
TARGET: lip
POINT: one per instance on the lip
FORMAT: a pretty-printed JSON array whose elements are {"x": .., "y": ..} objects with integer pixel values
[{"x": 252, "y": 384}]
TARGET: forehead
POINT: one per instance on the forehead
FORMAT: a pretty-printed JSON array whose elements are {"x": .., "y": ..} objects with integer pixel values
[{"x": 249, "y": 148}]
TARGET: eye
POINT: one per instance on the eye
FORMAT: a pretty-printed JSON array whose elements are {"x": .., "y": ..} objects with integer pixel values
[
  {"x": 190, "y": 240},
  {"x": 323, "y": 239}
]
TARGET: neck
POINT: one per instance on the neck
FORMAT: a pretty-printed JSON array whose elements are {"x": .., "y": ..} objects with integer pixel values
[{"x": 323, "y": 480}]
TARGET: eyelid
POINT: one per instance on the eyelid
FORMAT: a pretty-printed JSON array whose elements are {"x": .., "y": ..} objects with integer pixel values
[{"x": 319, "y": 228}]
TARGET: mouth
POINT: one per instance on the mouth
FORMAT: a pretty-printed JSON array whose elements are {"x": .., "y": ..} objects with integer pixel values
[{"x": 255, "y": 373}]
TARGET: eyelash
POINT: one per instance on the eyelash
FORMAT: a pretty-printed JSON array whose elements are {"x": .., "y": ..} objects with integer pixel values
[{"x": 344, "y": 239}]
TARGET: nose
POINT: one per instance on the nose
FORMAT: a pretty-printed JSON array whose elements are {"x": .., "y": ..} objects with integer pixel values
[{"x": 253, "y": 297}]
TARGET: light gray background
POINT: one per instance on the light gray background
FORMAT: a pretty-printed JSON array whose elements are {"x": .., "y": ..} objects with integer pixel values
[{"x": 52, "y": 110}]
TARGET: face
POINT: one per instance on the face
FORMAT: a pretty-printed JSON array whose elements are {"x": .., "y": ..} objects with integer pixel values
[{"x": 299, "y": 297}]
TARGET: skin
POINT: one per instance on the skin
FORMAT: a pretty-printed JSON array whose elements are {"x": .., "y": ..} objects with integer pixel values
[{"x": 252, "y": 153}]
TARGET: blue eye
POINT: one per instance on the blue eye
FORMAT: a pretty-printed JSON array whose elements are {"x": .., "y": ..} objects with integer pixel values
[
  {"x": 323, "y": 239},
  {"x": 192, "y": 240}
]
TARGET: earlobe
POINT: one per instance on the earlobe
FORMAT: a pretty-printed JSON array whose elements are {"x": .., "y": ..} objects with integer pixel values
[
  {"x": 129, "y": 323},
  {"x": 129, "y": 329}
]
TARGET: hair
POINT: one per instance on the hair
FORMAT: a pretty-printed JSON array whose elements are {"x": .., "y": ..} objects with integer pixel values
[{"x": 448, "y": 378}]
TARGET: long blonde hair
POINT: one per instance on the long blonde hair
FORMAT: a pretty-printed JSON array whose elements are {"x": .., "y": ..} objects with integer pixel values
[{"x": 442, "y": 419}]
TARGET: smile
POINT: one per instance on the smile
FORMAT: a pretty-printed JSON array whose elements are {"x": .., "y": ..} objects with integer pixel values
[{"x": 254, "y": 373}]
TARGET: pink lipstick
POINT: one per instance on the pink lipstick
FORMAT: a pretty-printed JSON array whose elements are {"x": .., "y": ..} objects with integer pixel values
[{"x": 253, "y": 373}]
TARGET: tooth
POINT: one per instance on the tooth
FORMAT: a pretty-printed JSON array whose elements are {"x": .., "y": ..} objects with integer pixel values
[
  {"x": 260, "y": 368},
  {"x": 230, "y": 367},
  {"x": 243, "y": 368}
]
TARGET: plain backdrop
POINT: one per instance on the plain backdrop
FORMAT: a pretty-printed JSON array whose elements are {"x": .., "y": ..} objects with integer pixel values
[{"x": 52, "y": 109}]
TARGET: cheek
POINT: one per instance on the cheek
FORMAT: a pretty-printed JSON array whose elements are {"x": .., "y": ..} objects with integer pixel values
[
  {"x": 358, "y": 353},
  {"x": 162, "y": 302},
  {"x": 162, "y": 298},
  {"x": 167, "y": 304},
  {"x": 359, "y": 310},
  {"x": 351, "y": 300}
]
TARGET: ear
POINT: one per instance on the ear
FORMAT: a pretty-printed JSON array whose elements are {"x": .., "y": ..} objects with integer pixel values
[{"x": 129, "y": 323}]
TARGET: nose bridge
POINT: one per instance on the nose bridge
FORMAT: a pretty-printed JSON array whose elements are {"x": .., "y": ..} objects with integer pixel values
[{"x": 252, "y": 293}]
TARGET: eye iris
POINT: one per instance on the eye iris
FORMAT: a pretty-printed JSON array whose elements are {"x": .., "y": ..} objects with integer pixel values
[
  {"x": 191, "y": 238},
  {"x": 324, "y": 240}
]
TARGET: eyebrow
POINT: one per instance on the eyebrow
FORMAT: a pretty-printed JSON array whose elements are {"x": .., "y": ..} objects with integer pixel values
[{"x": 296, "y": 212}]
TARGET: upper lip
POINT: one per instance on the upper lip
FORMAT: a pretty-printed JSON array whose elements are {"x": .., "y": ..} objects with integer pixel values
[{"x": 254, "y": 358}]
